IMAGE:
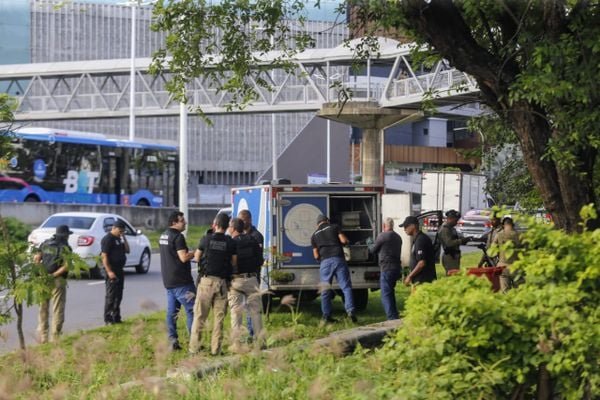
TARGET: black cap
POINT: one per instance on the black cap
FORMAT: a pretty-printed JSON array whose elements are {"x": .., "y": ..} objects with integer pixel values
[
  {"x": 410, "y": 220},
  {"x": 321, "y": 218},
  {"x": 507, "y": 220},
  {"x": 119, "y": 224},
  {"x": 453, "y": 214},
  {"x": 63, "y": 230}
]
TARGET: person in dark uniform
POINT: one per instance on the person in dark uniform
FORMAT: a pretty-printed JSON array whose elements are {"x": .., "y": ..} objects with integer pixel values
[
  {"x": 114, "y": 249},
  {"x": 327, "y": 242},
  {"x": 388, "y": 246},
  {"x": 221, "y": 257},
  {"x": 249, "y": 229},
  {"x": 422, "y": 257},
  {"x": 244, "y": 291},
  {"x": 451, "y": 242},
  {"x": 176, "y": 271}
]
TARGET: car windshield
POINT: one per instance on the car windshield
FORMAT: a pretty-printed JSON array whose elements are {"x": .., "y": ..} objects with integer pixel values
[{"x": 72, "y": 221}]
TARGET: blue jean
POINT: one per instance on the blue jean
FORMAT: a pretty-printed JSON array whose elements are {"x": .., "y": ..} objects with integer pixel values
[
  {"x": 335, "y": 267},
  {"x": 387, "y": 283},
  {"x": 182, "y": 295}
]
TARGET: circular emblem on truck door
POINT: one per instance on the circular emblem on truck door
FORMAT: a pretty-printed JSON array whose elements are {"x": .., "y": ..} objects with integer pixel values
[{"x": 300, "y": 223}]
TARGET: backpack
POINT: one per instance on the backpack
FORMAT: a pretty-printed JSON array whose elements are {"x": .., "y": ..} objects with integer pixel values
[{"x": 51, "y": 254}]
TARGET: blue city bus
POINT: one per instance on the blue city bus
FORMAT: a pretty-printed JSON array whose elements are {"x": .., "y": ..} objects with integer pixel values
[{"x": 60, "y": 166}]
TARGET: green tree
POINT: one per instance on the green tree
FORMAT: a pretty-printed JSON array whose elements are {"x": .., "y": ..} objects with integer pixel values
[{"x": 536, "y": 63}]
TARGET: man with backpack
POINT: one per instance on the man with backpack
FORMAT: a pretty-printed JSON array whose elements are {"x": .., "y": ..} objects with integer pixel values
[
  {"x": 244, "y": 284},
  {"x": 220, "y": 251},
  {"x": 51, "y": 255}
]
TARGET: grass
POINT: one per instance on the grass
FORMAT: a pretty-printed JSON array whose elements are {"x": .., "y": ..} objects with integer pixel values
[
  {"x": 91, "y": 364},
  {"x": 193, "y": 235}
]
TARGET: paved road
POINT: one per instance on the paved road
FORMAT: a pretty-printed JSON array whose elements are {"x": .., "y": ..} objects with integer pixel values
[{"x": 85, "y": 304}]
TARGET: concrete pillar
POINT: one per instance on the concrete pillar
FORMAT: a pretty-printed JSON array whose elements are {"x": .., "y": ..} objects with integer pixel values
[
  {"x": 372, "y": 119},
  {"x": 371, "y": 157}
]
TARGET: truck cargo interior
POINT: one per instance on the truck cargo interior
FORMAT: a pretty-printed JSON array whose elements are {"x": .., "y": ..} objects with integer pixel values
[{"x": 357, "y": 217}]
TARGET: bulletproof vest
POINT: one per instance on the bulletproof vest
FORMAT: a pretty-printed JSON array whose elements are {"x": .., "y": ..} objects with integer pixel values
[
  {"x": 51, "y": 254},
  {"x": 247, "y": 257},
  {"x": 218, "y": 259}
]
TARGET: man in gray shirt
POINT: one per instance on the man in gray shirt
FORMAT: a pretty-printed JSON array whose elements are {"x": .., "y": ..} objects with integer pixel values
[{"x": 388, "y": 246}]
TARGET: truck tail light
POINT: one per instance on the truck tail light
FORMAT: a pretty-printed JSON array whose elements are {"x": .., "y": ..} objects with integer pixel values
[
  {"x": 85, "y": 240},
  {"x": 372, "y": 275},
  {"x": 488, "y": 224}
]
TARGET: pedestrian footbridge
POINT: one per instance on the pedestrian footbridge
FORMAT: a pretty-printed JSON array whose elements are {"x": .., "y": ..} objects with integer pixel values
[{"x": 100, "y": 88}]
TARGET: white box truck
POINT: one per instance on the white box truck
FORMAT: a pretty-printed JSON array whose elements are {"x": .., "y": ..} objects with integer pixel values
[
  {"x": 449, "y": 190},
  {"x": 286, "y": 215}
]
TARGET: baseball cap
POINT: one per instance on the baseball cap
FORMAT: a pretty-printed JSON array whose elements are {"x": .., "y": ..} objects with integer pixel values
[
  {"x": 119, "y": 224},
  {"x": 453, "y": 214},
  {"x": 321, "y": 218},
  {"x": 63, "y": 230},
  {"x": 410, "y": 220}
]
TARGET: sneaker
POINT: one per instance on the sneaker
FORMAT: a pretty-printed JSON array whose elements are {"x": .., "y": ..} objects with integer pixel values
[
  {"x": 353, "y": 318},
  {"x": 175, "y": 346}
]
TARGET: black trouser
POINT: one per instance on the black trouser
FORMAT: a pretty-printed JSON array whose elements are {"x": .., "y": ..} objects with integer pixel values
[{"x": 114, "y": 295}]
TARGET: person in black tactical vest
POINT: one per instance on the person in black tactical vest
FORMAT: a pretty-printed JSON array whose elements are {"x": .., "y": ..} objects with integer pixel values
[
  {"x": 114, "y": 249},
  {"x": 249, "y": 229},
  {"x": 176, "y": 271},
  {"x": 327, "y": 242},
  {"x": 244, "y": 289},
  {"x": 221, "y": 256},
  {"x": 50, "y": 255},
  {"x": 451, "y": 242}
]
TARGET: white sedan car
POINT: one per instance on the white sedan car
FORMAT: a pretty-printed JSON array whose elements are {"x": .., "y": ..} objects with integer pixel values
[{"x": 88, "y": 230}]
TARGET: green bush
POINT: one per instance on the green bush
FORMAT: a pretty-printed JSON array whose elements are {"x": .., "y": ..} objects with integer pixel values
[
  {"x": 17, "y": 230},
  {"x": 460, "y": 340}
]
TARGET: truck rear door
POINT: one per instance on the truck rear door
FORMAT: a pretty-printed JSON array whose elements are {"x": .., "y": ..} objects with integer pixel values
[{"x": 297, "y": 222}]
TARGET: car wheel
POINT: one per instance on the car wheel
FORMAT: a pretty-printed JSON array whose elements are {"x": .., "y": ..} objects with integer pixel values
[
  {"x": 98, "y": 272},
  {"x": 144, "y": 266}
]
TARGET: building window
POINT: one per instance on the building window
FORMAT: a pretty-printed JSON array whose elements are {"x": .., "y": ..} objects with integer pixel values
[{"x": 425, "y": 131}]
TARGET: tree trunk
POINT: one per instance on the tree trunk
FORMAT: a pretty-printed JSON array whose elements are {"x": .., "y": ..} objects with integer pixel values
[
  {"x": 544, "y": 385},
  {"x": 19, "y": 312},
  {"x": 564, "y": 190}
]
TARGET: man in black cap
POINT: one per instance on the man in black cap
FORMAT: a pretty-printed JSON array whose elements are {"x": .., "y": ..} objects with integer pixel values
[
  {"x": 114, "y": 248},
  {"x": 327, "y": 242},
  {"x": 422, "y": 256},
  {"x": 451, "y": 242},
  {"x": 50, "y": 254}
]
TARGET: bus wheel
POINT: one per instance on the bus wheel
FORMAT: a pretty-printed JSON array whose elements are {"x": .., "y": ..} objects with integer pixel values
[
  {"x": 32, "y": 199},
  {"x": 144, "y": 265},
  {"x": 143, "y": 203}
]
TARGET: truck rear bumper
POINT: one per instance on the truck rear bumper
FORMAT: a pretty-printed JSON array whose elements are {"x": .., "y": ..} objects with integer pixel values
[{"x": 308, "y": 278}]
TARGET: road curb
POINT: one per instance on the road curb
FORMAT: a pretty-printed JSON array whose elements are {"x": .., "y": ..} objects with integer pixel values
[{"x": 339, "y": 342}]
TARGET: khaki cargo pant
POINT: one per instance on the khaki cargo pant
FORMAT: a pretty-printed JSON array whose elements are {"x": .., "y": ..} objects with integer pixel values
[
  {"x": 245, "y": 291},
  {"x": 211, "y": 294},
  {"x": 59, "y": 299}
]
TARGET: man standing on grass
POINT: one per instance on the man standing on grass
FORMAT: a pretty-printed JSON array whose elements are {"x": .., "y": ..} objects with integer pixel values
[
  {"x": 327, "y": 242},
  {"x": 51, "y": 256},
  {"x": 244, "y": 285},
  {"x": 220, "y": 251},
  {"x": 176, "y": 270},
  {"x": 388, "y": 246},
  {"x": 114, "y": 250},
  {"x": 422, "y": 256}
]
